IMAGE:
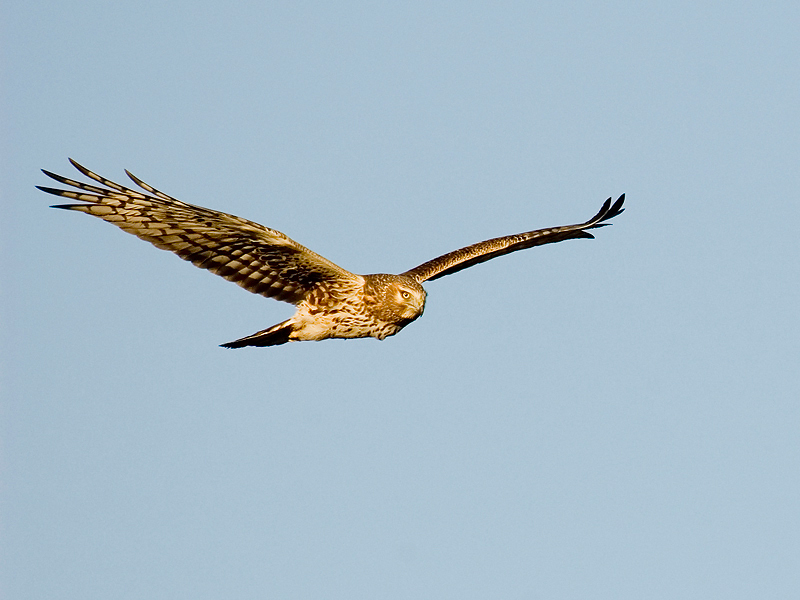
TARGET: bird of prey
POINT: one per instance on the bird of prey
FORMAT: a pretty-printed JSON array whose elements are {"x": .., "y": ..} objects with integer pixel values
[{"x": 331, "y": 301}]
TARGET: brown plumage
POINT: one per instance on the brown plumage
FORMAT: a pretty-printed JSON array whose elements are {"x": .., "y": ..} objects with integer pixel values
[{"x": 331, "y": 301}]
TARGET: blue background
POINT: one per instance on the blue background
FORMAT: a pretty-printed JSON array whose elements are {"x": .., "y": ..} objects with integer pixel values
[{"x": 616, "y": 418}]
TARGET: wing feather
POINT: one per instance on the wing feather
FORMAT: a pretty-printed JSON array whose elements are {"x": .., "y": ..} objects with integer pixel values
[
  {"x": 455, "y": 261},
  {"x": 259, "y": 259}
]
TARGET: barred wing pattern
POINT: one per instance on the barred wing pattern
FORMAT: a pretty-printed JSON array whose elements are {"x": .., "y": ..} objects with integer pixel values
[
  {"x": 455, "y": 261},
  {"x": 259, "y": 259}
]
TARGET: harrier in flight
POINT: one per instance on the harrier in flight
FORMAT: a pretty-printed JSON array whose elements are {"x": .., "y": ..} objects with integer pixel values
[{"x": 331, "y": 301}]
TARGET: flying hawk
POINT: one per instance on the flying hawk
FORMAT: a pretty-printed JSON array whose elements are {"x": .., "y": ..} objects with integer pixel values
[{"x": 331, "y": 301}]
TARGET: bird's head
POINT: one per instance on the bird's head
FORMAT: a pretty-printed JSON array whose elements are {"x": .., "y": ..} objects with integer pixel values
[{"x": 397, "y": 298}]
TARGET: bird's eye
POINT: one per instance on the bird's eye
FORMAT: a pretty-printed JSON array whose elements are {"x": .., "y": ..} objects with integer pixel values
[{"x": 406, "y": 295}]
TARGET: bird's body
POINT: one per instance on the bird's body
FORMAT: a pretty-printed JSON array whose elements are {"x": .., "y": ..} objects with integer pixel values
[
  {"x": 375, "y": 308},
  {"x": 331, "y": 301}
]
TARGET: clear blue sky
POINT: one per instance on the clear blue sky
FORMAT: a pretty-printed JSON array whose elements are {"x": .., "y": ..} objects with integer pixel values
[{"x": 617, "y": 418}]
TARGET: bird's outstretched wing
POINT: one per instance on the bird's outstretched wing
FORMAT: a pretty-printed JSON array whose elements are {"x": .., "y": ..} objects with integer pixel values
[
  {"x": 455, "y": 261},
  {"x": 259, "y": 259}
]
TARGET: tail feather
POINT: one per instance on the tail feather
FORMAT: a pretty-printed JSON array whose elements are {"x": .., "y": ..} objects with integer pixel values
[{"x": 274, "y": 336}]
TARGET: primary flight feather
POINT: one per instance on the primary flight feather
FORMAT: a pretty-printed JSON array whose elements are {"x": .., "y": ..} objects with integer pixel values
[{"x": 331, "y": 301}]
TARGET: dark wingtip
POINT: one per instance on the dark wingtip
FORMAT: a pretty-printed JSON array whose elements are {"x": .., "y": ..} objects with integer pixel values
[
  {"x": 49, "y": 190},
  {"x": 80, "y": 167},
  {"x": 54, "y": 176},
  {"x": 57, "y": 192},
  {"x": 617, "y": 208},
  {"x": 137, "y": 181},
  {"x": 600, "y": 213},
  {"x": 608, "y": 211}
]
